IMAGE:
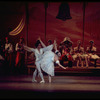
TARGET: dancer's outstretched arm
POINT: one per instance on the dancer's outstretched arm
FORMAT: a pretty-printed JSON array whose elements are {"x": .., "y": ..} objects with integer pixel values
[
  {"x": 60, "y": 64},
  {"x": 29, "y": 49},
  {"x": 57, "y": 62},
  {"x": 42, "y": 43}
]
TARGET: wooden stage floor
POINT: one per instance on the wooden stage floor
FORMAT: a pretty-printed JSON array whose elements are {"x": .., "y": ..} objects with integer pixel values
[{"x": 62, "y": 86}]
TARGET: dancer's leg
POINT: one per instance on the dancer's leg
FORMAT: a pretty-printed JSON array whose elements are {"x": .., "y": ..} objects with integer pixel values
[
  {"x": 78, "y": 63},
  {"x": 86, "y": 60},
  {"x": 81, "y": 61},
  {"x": 34, "y": 76},
  {"x": 40, "y": 73},
  {"x": 49, "y": 78}
]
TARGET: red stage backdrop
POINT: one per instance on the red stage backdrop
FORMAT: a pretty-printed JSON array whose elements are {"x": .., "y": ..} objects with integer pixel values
[{"x": 11, "y": 14}]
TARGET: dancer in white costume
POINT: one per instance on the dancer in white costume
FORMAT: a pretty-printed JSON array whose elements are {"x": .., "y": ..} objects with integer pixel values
[
  {"x": 47, "y": 63},
  {"x": 48, "y": 59},
  {"x": 38, "y": 51}
]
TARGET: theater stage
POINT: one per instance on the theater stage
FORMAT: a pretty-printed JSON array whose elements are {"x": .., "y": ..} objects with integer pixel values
[{"x": 62, "y": 86}]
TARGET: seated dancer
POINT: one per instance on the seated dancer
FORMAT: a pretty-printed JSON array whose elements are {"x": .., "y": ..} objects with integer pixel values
[
  {"x": 48, "y": 59},
  {"x": 38, "y": 51},
  {"x": 66, "y": 52},
  {"x": 79, "y": 54},
  {"x": 91, "y": 50}
]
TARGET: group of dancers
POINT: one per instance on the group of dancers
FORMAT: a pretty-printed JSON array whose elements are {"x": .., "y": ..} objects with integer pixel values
[
  {"x": 47, "y": 56},
  {"x": 14, "y": 59},
  {"x": 45, "y": 59},
  {"x": 78, "y": 54}
]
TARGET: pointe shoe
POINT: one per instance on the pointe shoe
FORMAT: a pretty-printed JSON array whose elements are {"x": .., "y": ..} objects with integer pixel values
[
  {"x": 34, "y": 80},
  {"x": 42, "y": 81}
]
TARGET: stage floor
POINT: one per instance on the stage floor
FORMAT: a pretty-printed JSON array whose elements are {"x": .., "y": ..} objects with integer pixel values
[{"x": 21, "y": 86}]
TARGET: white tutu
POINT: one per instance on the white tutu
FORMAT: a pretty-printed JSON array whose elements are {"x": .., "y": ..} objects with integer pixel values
[
  {"x": 47, "y": 62},
  {"x": 94, "y": 56}
]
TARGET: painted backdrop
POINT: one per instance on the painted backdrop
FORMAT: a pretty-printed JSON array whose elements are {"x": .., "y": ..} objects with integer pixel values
[{"x": 35, "y": 26}]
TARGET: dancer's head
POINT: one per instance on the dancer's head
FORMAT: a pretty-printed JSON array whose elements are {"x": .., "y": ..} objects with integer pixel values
[
  {"x": 49, "y": 42},
  {"x": 21, "y": 40},
  {"x": 91, "y": 42},
  {"x": 38, "y": 44},
  {"x": 58, "y": 54},
  {"x": 79, "y": 42},
  {"x": 7, "y": 40}
]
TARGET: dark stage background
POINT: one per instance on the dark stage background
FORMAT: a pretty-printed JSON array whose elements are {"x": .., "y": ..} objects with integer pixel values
[{"x": 84, "y": 25}]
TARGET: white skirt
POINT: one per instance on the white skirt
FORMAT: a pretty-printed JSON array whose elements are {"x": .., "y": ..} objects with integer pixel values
[
  {"x": 94, "y": 56},
  {"x": 47, "y": 62}
]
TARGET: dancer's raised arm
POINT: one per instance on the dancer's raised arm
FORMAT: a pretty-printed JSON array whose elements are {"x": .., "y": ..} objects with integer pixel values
[
  {"x": 55, "y": 45},
  {"x": 56, "y": 50},
  {"x": 42, "y": 42}
]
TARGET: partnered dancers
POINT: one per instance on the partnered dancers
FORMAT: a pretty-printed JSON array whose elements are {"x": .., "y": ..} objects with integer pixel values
[{"x": 44, "y": 60}]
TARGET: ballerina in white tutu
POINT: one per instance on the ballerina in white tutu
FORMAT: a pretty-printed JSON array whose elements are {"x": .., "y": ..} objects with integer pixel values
[
  {"x": 47, "y": 61},
  {"x": 38, "y": 51}
]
